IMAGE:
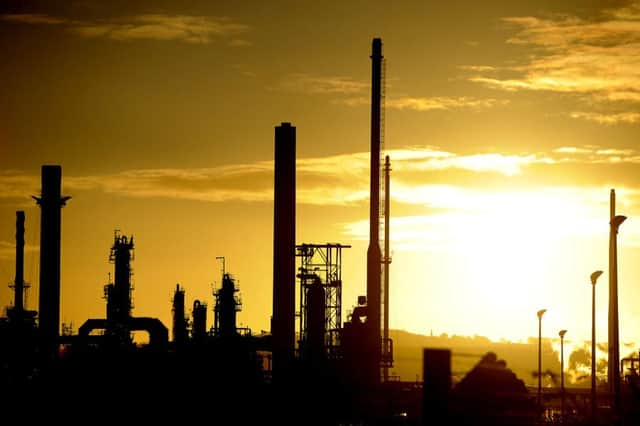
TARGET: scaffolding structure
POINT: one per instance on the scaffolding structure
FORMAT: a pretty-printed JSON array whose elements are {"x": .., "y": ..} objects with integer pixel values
[{"x": 321, "y": 263}]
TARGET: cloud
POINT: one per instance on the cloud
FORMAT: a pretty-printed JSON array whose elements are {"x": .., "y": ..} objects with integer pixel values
[
  {"x": 240, "y": 183},
  {"x": 32, "y": 18},
  {"x": 477, "y": 68},
  {"x": 597, "y": 57},
  {"x": 429, "y": 103},
  {"x": 309, "y": 84},
  {"x": 427, "y": 159},
  {"x": 614, "y": 118},
  {"x": 336, "y": 180},
  {"x": 15, "y": 184},
  {"x": 573, "y": 150},
  {"x": 597, "y": 155},
  {"x": 319, "y": 181},
  {"x": 353, "y": 92},
  {"x": 186, "y": 28},
  {"x": 443, "y": 103},
  {"x": 8, "y": 249},
  {"x": 240, "y": 43},
  {"x": 341, "y": 179}
]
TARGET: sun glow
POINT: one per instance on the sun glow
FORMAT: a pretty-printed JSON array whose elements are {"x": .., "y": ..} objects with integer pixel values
[{"x": 504, "y": 255}]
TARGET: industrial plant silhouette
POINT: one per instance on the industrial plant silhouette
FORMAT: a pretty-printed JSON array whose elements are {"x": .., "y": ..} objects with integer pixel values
[{"x": 322, "y": 371}]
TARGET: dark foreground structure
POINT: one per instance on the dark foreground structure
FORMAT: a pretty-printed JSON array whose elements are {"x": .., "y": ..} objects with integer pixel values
[{"x": 322, "y": 372}]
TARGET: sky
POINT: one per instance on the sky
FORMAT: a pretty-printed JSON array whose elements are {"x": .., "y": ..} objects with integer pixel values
[{"x": 507, "y": 124}]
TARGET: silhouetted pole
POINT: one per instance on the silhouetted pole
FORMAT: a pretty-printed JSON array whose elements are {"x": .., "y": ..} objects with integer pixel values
[
  {"x": 18, "y": 301},
  {"x": 540, "y": 313},
  {"x": 284, "y": 235},
  {"x": 374, "y": 255},
  {"x": 17, "y": 314},
  {"x": 387, "y": 262},
  {"x": 594, "y": 278},
  {"x": 614, "y": 338},
  {"x": 51, "y": 203},
  {"x": 561, "y": 334}
]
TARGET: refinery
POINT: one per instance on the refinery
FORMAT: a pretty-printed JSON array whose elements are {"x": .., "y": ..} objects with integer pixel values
[{"x": 313, "y": 367}]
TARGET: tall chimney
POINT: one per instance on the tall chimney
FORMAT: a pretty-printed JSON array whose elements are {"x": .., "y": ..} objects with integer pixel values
[
  {"x": 374, "y": 256},
  {"x": 284, "y": 234},
  {"x": 18, "y": 304},
  {"x": 51, "y": 203}
]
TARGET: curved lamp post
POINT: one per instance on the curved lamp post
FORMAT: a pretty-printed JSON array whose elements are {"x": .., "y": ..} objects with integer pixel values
[
  {"x": 561, "y": 334},
  {"x": 594, "y": 278},
  {"x": 614, "y": 338},
  {"x": 540, "y": 313}
]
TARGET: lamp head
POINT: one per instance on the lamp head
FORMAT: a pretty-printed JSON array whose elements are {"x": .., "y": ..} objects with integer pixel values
[
  {"x": 617, "y": 221},
  {"x": 562, "y": 333},
  {"x": 541, "y": 312},
  {"x": 595, "y": 276}
]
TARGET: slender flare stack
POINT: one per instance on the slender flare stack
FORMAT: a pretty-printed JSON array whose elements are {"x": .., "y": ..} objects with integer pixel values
[
  {"x": 17, "y": 312},
  {"x": 374, "y": 255}
]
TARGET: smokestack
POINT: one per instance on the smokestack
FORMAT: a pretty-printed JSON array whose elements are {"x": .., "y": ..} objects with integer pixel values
[
  {"x": 374, "y": 256},
  {"x": 51, "y": 203},
  {"x": 613, "y": 372},
  {"x": 18, "y": 304},
  {"x": 284, "y": 235}
]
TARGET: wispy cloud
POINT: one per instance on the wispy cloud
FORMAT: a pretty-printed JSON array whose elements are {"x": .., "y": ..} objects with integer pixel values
[
  {"x": 186, "y": 28},
  {"x": 8, "y": 249},
  {"x": 240, "y": 43},
  {"x": 434, "y": 160},
  {"x": 443, "y": 103},
  {"x": 15, "y": 184},
  {"x": 604, "y": 118},
  {"x": 33, "y": 18},
  {"x": 477, "y": 68},
  {"x": 430, "y": 103},
  {"x": 241, "y": 182},
  {"x": 596, "y": 155},
  {"x": 598, "y": 57},
  {"x": 309, "y": 84},
  {"x": 334, "y": 180},
  {"x": 352, "y": 92},
  {"x": 573, "y": 150}
]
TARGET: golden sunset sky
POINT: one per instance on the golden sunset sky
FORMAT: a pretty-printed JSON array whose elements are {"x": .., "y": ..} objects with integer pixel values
[{"x": 507, "y": 124}]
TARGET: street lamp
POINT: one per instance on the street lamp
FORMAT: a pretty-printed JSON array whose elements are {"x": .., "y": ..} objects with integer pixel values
[
  {"x": 540, "y": 313},
  {"x": 614, "y": 342},
  {"x": 561, "y": 334},
  {"x": 594, "y": 278}
]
